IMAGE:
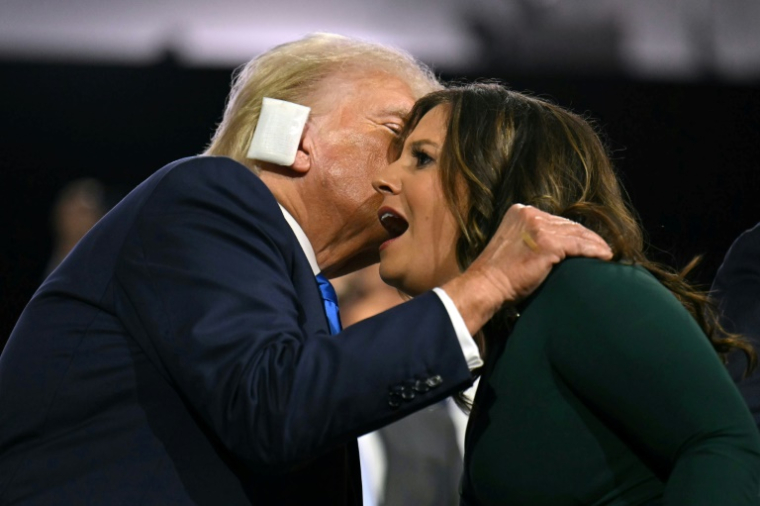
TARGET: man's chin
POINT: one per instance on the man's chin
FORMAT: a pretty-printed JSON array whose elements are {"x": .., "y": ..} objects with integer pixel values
[{"x": 355, "y": 263}]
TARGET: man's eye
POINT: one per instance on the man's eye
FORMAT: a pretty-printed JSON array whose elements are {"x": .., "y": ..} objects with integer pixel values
[
  {"x": 395, "y": 128},
  {"x": 421, "y": 158}
]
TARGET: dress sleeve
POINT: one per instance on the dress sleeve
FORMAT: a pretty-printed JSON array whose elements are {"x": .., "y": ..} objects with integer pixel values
[{"x": 634, "y": 355}]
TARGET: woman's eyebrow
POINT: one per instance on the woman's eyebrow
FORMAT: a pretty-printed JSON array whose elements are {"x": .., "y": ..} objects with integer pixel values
[{"x": 423, "y": 142}]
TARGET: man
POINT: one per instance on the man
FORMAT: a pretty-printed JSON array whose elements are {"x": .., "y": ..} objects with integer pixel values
[
  {"x": 737, "y": 288},
  {"x": 181, "y": 354}
]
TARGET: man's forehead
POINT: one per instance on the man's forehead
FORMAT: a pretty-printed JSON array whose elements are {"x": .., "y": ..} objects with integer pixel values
[
  {"x": 386, "y": 94},
  {"x": 387, "y": 99}
]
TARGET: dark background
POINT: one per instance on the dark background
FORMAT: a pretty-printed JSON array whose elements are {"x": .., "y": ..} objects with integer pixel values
[{"x": 687, "y": 152}]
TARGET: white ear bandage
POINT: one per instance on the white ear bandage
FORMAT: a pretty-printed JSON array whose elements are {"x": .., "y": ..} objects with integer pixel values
[{"x": 278, "y": 132}]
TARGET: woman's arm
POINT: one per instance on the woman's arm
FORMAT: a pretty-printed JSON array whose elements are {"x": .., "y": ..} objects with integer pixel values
[{"x": 631, "y": 351}]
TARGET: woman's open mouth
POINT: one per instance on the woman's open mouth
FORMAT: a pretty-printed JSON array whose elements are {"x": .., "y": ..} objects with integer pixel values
[{"x": 393, "y": 223}]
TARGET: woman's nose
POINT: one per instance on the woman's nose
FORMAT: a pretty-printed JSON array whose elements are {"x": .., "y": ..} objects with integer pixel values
[{"x": 385, "y": 183}]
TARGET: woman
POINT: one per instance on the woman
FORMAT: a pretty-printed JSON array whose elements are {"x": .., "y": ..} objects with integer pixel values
[{"x": 607, "y": 390}]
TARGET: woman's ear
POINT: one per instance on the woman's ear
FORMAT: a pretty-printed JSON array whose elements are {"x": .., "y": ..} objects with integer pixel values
[{"x": 302, "y": 163}]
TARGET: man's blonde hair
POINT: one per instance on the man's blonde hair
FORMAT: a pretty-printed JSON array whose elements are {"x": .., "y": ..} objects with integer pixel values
[{"x": 293, "y": 71}]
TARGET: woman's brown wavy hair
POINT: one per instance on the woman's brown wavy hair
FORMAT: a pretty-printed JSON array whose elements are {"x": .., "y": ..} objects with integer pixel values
[{"x": 505, "y": 147}]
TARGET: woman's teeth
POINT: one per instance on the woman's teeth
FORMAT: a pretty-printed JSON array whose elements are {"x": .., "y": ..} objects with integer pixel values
[{"x": 395, "y": 225}]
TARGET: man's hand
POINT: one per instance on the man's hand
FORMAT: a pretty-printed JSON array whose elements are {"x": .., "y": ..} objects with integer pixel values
[{"x": 517, "y": 260}]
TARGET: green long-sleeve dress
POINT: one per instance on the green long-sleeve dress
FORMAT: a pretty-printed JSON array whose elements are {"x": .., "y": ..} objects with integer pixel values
[{"x": 607, "y": 392}]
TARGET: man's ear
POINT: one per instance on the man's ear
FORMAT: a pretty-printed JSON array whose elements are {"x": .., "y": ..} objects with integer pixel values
[{"x": 302, "y": 164}]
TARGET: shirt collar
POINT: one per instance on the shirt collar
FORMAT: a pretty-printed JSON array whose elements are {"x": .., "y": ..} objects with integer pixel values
[{"x": 302, "y": 240}]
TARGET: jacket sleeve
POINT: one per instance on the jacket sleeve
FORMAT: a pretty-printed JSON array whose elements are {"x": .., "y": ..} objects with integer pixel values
[
  {"x": 205, "y": 285},
  {"x": 635, "y": 356}
]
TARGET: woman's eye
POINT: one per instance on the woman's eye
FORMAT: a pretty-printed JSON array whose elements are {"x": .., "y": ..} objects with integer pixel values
[{"x": 422, "y": 158}]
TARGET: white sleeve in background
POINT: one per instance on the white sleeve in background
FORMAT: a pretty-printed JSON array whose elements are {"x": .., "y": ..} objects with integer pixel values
[{"x": 469, "y": 348}]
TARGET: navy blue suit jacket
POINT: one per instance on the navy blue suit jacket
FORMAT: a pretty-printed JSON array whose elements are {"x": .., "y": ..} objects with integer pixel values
[
  {"x": 181, "y": 355},
  {"x": 737, "y": 288}
]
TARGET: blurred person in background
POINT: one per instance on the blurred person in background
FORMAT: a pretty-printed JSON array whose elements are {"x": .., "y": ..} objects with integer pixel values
[
  {"x": 184, "y": 351},
  {"x": 417, "y": 460},
  {"x": 78, "y": 206},
  {"x": 603, "y": 387},
  {"x": 737, "y": 289}
]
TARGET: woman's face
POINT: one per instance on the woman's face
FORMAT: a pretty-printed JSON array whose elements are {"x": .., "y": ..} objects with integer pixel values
[{"x": 420, "y": 253}]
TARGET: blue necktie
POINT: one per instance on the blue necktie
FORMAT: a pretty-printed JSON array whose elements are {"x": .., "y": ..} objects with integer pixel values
[{"x": 330, "y": 301}]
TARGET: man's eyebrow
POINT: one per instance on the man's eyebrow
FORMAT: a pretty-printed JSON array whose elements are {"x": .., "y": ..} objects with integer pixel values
[{"x": 397, "y": 112}]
